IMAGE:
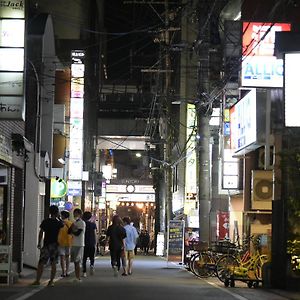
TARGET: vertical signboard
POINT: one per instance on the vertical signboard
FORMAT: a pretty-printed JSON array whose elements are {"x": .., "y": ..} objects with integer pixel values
[
  {"x": 176, "y": 241},
  {"x": 76, "y": 115},
  {"x": 191, "y": 161},
  {"x": 260, "y": 68},
  {"x": 243, "y": 122},
  {"x": 222, "y": 225},
  {"x": 12, "y": 37}
]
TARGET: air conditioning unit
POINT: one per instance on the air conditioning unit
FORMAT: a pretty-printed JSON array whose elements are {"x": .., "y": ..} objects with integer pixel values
[{"x": 262, "y": 190}]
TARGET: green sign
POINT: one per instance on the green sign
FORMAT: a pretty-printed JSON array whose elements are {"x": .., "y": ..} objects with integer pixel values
[{"x": 58, "y": 188}]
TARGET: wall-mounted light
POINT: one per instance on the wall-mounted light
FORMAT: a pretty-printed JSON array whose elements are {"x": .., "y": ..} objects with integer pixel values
[
  {"x": 62, "y": 161},
  {"x": 138, "y": 154}
]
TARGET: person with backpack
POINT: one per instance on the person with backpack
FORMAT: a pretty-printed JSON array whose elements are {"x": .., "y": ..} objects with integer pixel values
[
  {"x": 77, "y": 229},
  {"x": 65, "y": 243}
]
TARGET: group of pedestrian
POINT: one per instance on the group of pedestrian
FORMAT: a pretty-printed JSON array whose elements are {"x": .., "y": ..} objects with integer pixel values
[
  {"x": 122, "y": 237},
  {"x": 75, "y": 241},
  {"x": 64, "y": 238}
]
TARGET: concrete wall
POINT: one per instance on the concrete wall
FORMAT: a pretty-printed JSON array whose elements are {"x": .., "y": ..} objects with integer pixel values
[{"x": 34, "y": 213}]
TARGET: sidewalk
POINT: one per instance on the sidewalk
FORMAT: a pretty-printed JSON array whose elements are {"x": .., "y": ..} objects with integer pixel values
[{"x": 24, "y": 281}]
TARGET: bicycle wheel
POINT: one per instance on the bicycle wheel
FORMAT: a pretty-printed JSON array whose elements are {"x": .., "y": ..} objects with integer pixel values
[
  {"x": 225, "y": 266},
  {"x": 258, "y": 266},
  {"x": 191, "y": 262},
  {"x": 203, "y": 265}
]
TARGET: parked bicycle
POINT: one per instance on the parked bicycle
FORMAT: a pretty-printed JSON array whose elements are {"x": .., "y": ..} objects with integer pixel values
[
  {"x": 242, "y": 265},
  {"x": 203, "y": 264}
]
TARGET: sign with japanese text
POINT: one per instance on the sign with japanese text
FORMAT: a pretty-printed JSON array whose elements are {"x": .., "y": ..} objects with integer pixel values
[
  {"x": 175, "y": 241},
  {"x": 222, "y": 225},
  {"x": 76, "y": 115}
]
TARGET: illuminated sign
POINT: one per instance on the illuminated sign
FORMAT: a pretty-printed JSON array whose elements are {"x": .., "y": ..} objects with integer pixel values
[
  {"x": 12, "y": 36},
  {"x": 77, "y": 70},
  {"x": 230, "y": 170},
  {"x": 191, "y": 159},
  {"x": 130, "y": 197},
  {"x": 12, "y": 9},
  {"x": 291, "y": 89},
  {"x": 11, "y": 107},
  {"x": 243, "y": 122},
  {"x": 58, "y": 188},
  {"x": 11, "y": 83},
  {"x": 76, "y": 115},
  {"x": 12, "y": 33},
  {"x": 75, "y": 169},
  {"x": 260, "y": 68},
  {"x": 74, "y": 188},
  {"x": 76, "y": 109},
  {"x": 11, "y": 59},
  {"x": 121, "y": 188}
]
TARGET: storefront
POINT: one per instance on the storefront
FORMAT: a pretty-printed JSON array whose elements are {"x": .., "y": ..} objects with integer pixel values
[{"x": 135, "y": 201}]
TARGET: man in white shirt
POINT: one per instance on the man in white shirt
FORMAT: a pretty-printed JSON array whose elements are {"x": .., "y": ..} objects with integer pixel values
[
  {"x": 130, "y": 243},
  {"x": 78, "y": 230}
]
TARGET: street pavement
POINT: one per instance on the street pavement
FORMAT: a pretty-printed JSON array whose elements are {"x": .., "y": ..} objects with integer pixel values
[{"x": 153, "y": 278}]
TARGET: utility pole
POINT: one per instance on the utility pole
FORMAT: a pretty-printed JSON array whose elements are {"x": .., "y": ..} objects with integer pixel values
[
  {"x": 203, "y": 114},
  {"x": 207, "y": 48},
  {"x": 169, "y": 133}
]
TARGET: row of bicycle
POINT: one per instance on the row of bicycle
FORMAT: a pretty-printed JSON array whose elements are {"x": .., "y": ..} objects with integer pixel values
[{"x": 235, "y": 263}]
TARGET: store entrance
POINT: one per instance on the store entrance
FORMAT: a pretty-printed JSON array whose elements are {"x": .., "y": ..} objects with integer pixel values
[{"x": 141, "y": 214}]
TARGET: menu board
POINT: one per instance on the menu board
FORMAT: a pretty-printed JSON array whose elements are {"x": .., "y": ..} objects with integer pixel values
[{"x": 175, "y": 241}]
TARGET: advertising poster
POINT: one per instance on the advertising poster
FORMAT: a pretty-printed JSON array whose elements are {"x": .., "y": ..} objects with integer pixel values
[{"x": 176, "y": 241}]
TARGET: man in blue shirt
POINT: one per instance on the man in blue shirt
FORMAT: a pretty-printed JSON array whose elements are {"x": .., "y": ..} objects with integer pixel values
[{"x": 130, "y": 243}]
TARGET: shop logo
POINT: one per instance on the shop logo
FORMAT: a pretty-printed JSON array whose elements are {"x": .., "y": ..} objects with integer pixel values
[{"x": 12, "y": 4}]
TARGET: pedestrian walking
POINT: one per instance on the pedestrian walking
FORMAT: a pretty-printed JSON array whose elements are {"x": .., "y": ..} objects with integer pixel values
[
  {"x": 144, "y": 240},
  {"x": 116, "y": 235},
  {"x": 90, "y": 239},
  {"x": 130, "y": 243},
  {"x": 65, "y": 243},
  {"x": 49, "y": 230},
  {"x": 78, "y": 231}
]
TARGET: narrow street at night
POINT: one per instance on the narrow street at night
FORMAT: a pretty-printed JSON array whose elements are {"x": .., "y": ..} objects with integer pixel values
[
  {"x": 153, "y": 278},
  {"x": 169, "y": 128}
]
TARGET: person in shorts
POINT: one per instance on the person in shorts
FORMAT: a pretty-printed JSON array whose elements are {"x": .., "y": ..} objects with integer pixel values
[
  {"x": 49, "y": 230},
  {"x": 78, "y": 231},
  {"x": 65, "y": 243},
  {"x": 130, "y": 243}
]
